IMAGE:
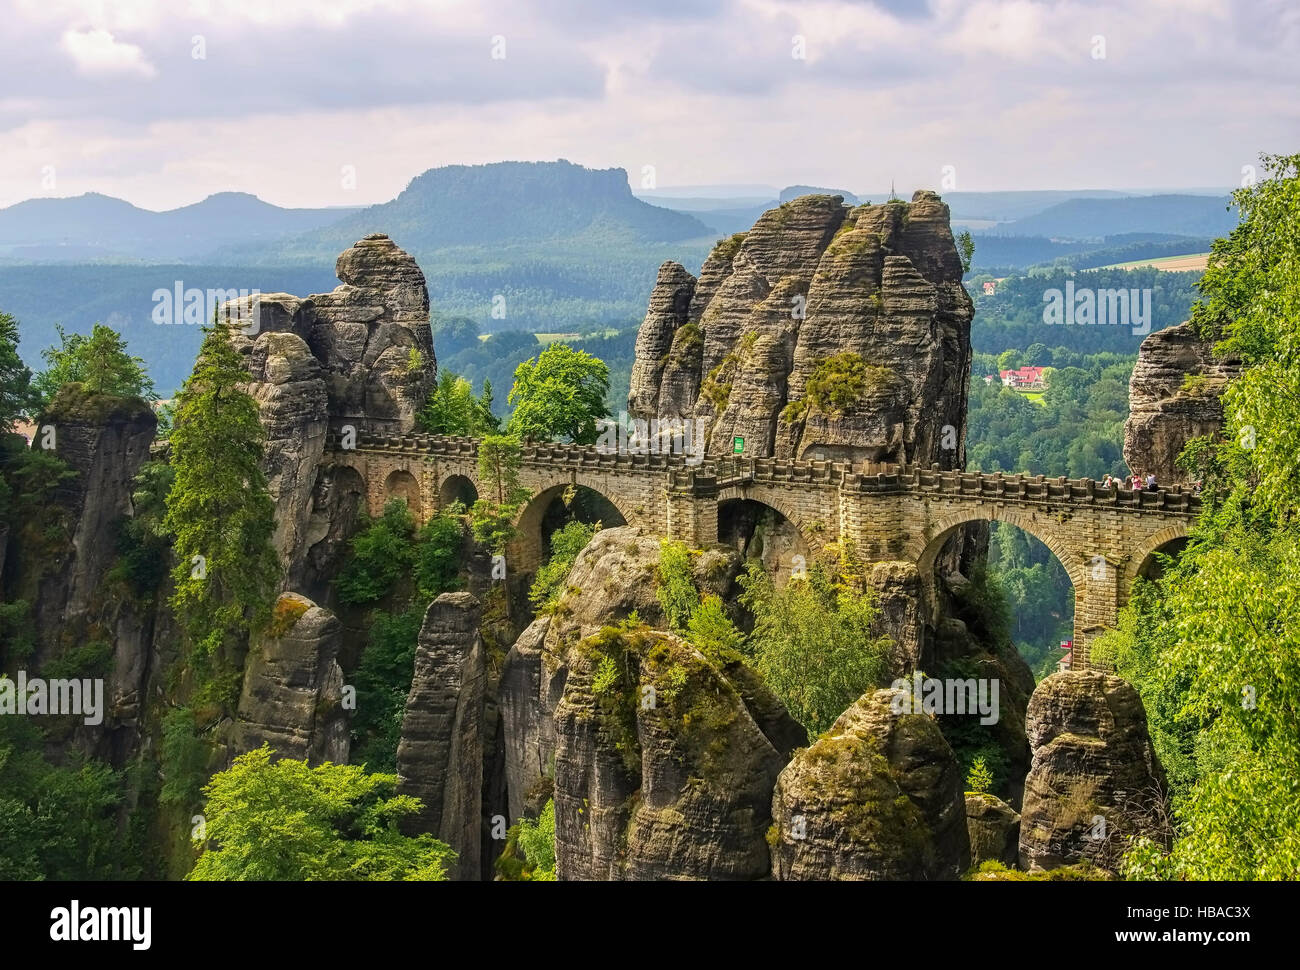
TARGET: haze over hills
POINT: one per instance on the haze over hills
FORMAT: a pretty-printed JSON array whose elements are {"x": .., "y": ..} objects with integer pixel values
[
  {"x": 521, "y": 246},
  {"x": 1187, "y": 215},
  {"x": 501, "y": 203},
  {"x": 97, "y": 227}
]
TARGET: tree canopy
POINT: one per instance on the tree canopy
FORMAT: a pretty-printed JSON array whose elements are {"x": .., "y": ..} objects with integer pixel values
[
  {"x": 218, "y": 508},
  {"x": 559, "y": 395},
  {"x": 282, "y": 820},
  {"x": 99, "y": 362}
]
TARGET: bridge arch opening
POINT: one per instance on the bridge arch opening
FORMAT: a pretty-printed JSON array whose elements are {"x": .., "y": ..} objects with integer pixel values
[
  {"x": 1027, "y": 571},
  {"x": 457, "y": 488},
  {"x": 760, "y": 531},
  {"x": 1152, "y": 565},
  {"x": 401, "y": 484},
  {"x": 551, "y": 510},
  {"x": 344, "y": 495}
]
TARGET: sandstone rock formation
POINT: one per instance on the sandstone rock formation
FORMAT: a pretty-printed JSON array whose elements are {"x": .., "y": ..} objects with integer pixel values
[
  {"x": 613, "y": 577},
  {"x": 878, "y": 797},
  {"x": 702, "y": 758},
  {"x": 370, "y": 335},
  {"x": 361, "y": 355},
  {"x": 1174, "y": 396},
  {"x": 1095, "y": 779},
  {"x": 104, "y": 440},
  {"x": 440, "y": 756},
  {"x": 293, "y": 687},
  {"x": 994, "y": 829},
  {"x": 874, "y": 288},
  {"x": 661, "y": 770}
]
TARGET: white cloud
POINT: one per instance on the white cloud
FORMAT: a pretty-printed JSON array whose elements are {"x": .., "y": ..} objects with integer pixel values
[{"x": 98, "y": 53}]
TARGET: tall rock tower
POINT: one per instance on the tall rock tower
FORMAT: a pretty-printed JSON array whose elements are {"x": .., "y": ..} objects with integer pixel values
[{"x": 825, "y": 331}]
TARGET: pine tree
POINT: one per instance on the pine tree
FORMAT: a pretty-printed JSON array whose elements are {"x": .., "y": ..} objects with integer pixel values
[{"x": 220, "y": 513}]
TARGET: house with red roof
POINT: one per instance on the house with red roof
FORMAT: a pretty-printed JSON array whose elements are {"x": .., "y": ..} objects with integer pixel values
[{"x": 1024, "y": 378}]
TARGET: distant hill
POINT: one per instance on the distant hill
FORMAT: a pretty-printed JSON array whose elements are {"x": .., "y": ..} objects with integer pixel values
[
  {"x": 1088, "y": 219},
  {"x": 504, "y": 203},
  {"x": 794, "y": 191},
  {"x": 539, "y": 247},
  {"x": 98, "y": 227}
]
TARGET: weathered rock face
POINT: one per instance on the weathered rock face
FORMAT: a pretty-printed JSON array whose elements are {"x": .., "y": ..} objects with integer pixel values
[
  {"x": 899, "y": 595},
  {"x": 994, "y": 828},
  {"x": 661, "y": 769},
  {"x": 1174, "y": 396},
  {"x": 528, "y": 696},
  {"x": 440, "y": 756},
  {"x": 1095, "y": 779},
  {"x": 290, "y": 393},
  {"x": 611, "y": 578},
  {"x": 370, "y": 335},
  {"x": 361, "y": 355},
  {"x": 878, "y": 797},
  {"x": 104, "y": 440},
  {"x": 293, "y": 687},
  {"x": 813, "y": 280}
]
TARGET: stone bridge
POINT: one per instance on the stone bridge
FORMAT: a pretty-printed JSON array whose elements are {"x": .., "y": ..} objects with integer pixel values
[{"x": 1103, "y": 537}]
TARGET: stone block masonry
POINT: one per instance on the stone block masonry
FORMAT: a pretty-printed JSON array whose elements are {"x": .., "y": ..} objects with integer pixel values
[{"x": 1103, "y": 537}]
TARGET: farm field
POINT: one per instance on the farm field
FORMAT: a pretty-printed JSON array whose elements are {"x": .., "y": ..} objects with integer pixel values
[{"x": 1170, "y": 264}]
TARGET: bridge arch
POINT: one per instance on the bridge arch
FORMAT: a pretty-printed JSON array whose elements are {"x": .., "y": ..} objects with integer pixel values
[
  {"x": 527, "y": 550},
  {"x": 774, "y": 542},
  {"x": 944, "y": 528},
  {"x": 402, "y": 484},
  {"x": 1168, "y": 540},
  {"x": 457, "y": 488}
]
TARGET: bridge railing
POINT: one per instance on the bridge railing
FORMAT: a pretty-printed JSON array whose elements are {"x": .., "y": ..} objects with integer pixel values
[{"x": 867, "y": 476}]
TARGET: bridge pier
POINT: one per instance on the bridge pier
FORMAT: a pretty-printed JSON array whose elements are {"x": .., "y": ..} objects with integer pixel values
[
  {"x": 1098, "y": 598},
  {"x": 692, "y": 507}
]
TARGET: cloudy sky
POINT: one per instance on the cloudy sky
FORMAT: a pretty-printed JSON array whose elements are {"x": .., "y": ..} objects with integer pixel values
[{"x": 163, "y": 102}]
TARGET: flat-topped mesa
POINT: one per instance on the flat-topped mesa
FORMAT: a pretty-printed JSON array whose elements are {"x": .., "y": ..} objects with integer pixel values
[
  {"x": 825, "y": 331},
  {"x": 370, "y": 336}
]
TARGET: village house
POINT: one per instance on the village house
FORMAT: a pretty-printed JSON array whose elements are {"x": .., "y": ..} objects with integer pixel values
[{"x": 1024, "y": 378}]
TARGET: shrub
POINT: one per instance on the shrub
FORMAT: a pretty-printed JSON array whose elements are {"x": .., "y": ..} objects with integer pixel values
[{"x": 675, "y": 585}]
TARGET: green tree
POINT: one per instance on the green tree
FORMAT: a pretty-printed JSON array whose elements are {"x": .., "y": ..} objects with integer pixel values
[
  {"x": 711, "y": 632},
  {"x": 965, "y": 249},
  {"x": 559, "y": 395},
  {"x": 284, "y": 821},
  {"x": 1222, "y": 636},
  {"x": 98, "y": 362},
  {"x": 675, "y": 585},
  {"x": 57, "y": 822},
  {"x": 383, "y": 679},
  {"x": 16, "y": 393},
  {"x": 452, "y": 409},
  {"x": 438, "y": 555},
  {"x": 566, "y": 543},
  {"x": 813, "y": 642},
  {"x": 219, "y": 512},
  {"x": 979, "y": 779},
  {"x": 382, "y": 553},
  {"x": 500, "y": 458}
]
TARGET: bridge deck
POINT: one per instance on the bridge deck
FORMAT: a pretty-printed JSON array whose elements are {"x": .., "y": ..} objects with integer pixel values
[{"x": 873, "y": 477}]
